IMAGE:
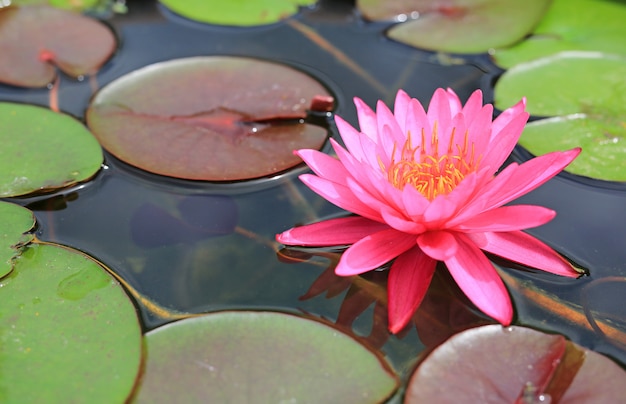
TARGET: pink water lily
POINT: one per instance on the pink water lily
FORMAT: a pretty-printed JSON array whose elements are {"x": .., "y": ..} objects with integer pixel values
[{"x": 424, "y": 188}]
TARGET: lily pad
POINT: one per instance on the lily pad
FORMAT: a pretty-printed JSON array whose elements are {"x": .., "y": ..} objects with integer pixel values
[
  {"x": 494, "y": 364},
  {"x": 588, "y": 90},
  {"x": 35, "y": 40},
  {"x": 68, "y": 331},
  {"x": 208, "y": 118},
  {"x": 43, "y": 150},
  {"x": 15, "y": 221},
  {"x": 262, "y": 357},
  {"x": 585, "y": 25},
  {"x": 603, "y": 143},
  {"x": 458, "y": 26},
  {"x": 238, "y": 13}
]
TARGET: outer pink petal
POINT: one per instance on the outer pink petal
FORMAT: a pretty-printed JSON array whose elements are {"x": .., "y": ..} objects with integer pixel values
[
  {"x": 474, "y": 104},
  {"x": 339, "y": 195},
  {"x": 479, "y": 280},
  {"x": 351, "y": 138},
  {"x": 409, "y": 278},
  {"x": 373, "y": 251},
  {"x": 504, "y": 141},
  {"x": 439, "y": 245},
  {"x": 506, "y": 116},
  {"x": 324, "y": 165},
  {"x": 528, "y": 176},
  {"x": 332, "y": 232},
  {"x": 507, "y": 218},
  {"x": 367, "y": 118},
  {"x": 523, "y": 248},
  {"x": 401, "y": 109}
]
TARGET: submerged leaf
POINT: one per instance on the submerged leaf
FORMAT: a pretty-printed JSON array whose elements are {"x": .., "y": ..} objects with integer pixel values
[
  {"x": 208, "y": 118},
  {"x": 68, "y": 328},
  {"x": 35, "y": 40},
  {"x": 505, "y": 364},
  {"x": 260, "y": 357},
  {"x": 459, "y": 26},
  {"x": 43, "y": 150}
]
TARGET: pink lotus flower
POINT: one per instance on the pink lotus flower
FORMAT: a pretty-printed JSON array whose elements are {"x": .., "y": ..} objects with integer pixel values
[{"x": 424, "y": 188}]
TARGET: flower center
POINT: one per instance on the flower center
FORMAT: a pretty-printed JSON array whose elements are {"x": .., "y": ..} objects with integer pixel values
[{"x": 430, "y": 173}]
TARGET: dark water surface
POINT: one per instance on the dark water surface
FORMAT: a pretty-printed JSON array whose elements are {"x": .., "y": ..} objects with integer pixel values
[{"x": 194, "y": 247}]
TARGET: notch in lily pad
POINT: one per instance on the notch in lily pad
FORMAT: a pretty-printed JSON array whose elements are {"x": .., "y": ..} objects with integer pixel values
[
  {"x": 216, "y": 118},
  {"x": 36, "y": 40},
  {"x": 265, "y": 357}
]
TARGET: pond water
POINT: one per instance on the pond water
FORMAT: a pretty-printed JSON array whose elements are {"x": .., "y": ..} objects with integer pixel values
[{"x": 197, "y": 246}]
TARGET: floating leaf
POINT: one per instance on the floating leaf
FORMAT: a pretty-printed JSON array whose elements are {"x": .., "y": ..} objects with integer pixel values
[
  {"x": 15, "y": 221},
  {"x": 36, "y": 39},
  {"x": 590, "y": 85},
  {"x": 459, "y": 26},
  {"x": 43, "y": 150},
  {"x": 239, "y": 13},
  {"x": 68, "y": 331},
  {"x": 503, "y": 365},
  {"x": 260, "y": 357},
  {"x": 208, "y": 118},
  {"x": 586, "y": 25},
  {"x": 603, "y": 144}
]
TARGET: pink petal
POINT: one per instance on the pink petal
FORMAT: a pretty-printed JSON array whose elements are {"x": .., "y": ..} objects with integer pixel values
[
  {"x": 454, "y": 102},
  {"x": 523, "y": 248},
  {"x": 367, "y": 118},
  {"x": 474, "y": 104},
  {"x": 373, "y": 251},
  {"x": 439, "y": 245},
  {"x": 394, "y": 219},
  {"x": 439, "y": 108},
  {"x": 439, "y": 211},
  {"x": 351, "y": 138},
  {"x": 479, "y": 131},
  {"x": 479, "y": 280},
  {"x": 401, "y": 109},
  {"x": 414, "y": 202},
  {"x": 339, "y": 195},
  {"x": 504, "y": 141},
  {"x": 416, "y": 122},
  {"x": 332, "y": 232},
  {"x": 506, "y": 116},
  {"x": 324, "y": 165},
  {"x": 528, "y": 176},
  {"x": 507, "y": 218},
  {"x": 409, "y": 278}
]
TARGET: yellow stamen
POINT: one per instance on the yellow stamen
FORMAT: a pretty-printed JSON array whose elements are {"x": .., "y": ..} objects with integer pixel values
[{"x": 430, "y": 173}]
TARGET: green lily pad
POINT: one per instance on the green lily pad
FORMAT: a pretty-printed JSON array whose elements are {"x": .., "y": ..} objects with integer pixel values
[
  {"x": 495, "y": 364},
  {"x": 588, "y": 91},
  {"x": 603, "y": 144},
  {"x": 209, "y": 118},
  {"x": 238, "y": 13},
  {"x": 263, "y": 357},
  {"x": 15, "y": 221},
  {"x": 458, "y": 26},
  {"x": 68, "y": 331},
  {"x": 35, "y": 40},
  {"x": 585, "y": 25},
  {"x": 43, "y": 150}
]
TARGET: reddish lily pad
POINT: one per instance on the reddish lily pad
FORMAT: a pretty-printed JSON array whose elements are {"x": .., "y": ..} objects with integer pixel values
[
  {"x": 208, "y": 118},
  {"x": 15, "y": 222},
  {"x": 459, "y": 26},
  {"x": 239, "y": 13},
  {"x": 494, "y": 364},
  {"x": 68, "y": 331},
  {"x": 262, "y": 357},
  {"x": 43, "y": 150},
  {"x": 585, "y": 25},
  {"x": 35, "y": 40}
]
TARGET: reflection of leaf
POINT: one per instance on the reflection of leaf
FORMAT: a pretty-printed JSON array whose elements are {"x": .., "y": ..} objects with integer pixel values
[
  {"x": 66, "y": 327},
  {"x": 495, "y": 364},
  {"x": 15, "y": 221},
  {"x": 239, "y": 13},
  {"x": 586, "y": 25},
  {"x": 260, "y": 357},
  {"x": 460, "y": 26},
  {"x": 208, "y": 118},
  {"x": 28, "y": 135},
  {"x": 35, "y": 39}
]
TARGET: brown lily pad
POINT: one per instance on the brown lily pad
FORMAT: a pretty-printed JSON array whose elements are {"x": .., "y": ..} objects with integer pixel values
[
  {"x": 36, "y": 40},
  {"x": 495, "y": 364},
  {"x": 212, "y": 118}
]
